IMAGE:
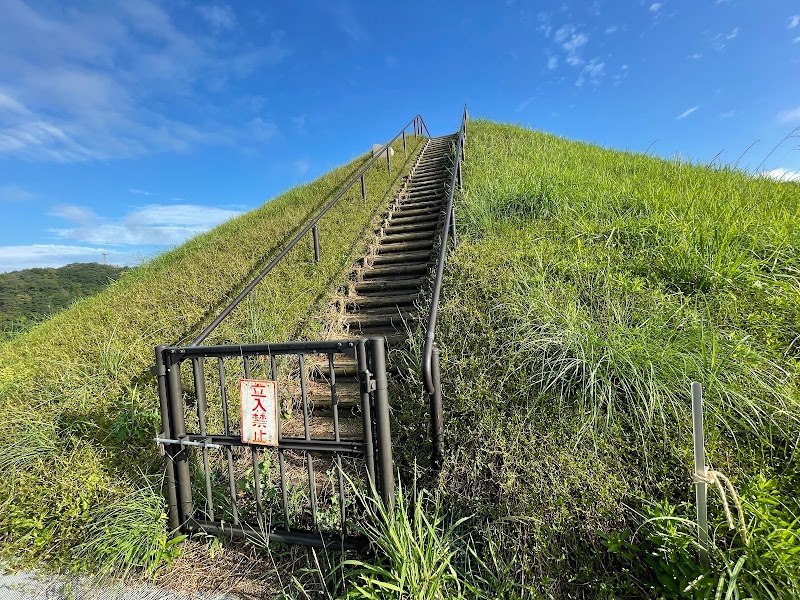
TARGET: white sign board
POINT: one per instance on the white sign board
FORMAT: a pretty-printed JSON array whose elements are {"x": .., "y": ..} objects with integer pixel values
[{"x": 259, "y": 412}]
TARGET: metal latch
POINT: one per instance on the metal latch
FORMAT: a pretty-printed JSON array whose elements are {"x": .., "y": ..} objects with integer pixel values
[
  {"x": 367, "y": 382},
  {"x": 161, "y": 441}
]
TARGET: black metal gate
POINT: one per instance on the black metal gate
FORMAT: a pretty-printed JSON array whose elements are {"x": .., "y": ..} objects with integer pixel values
[{"x": 321, "y": 456}]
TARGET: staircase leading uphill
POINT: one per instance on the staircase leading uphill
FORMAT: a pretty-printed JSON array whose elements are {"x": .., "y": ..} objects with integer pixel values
[
  {"x": 382, "y": 300},
  {"x": 386, "y": 285}
]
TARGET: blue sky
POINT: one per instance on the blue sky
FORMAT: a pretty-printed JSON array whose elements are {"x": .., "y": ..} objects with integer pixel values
[{"x": 126, "y": 127}]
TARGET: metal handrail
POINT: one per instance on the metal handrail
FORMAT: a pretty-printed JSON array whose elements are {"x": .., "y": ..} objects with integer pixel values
[
  {"x": 419, "y": 125},
  {"x": 430, "y": 371}
]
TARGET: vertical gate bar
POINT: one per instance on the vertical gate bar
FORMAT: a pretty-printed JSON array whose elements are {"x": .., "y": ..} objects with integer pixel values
[
  {"x": 378, "y": 356},
  {"x": 335, "y": 405},
  {"x": 182, "y": 472},
  {"x": 366, "y": 412},
  {"x": 227, "y": 429},
  {"x": 437, "y": 427},
  {"x": 273, "y": 373},
  {"x": 315, "y": 235},
  {"x": 363, "y": 190},
  {"x": 404, "y": 143},
  {"x": 200, "y": 394},
  {"x": 254, "y": 455},
  {"x": 312, "y": 491},
  {"x": 169, "y": 450}
]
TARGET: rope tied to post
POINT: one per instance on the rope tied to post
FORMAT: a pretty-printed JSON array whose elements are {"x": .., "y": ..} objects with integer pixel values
[{"x": 724, "y": 487}]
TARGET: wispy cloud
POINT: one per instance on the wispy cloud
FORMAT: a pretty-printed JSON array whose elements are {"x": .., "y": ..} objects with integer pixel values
[
  {"x": 687, "y": 112},
  {"x": 301, "y": 166},
  {"x": 120, "y": 81},
  {"x": 552, "y": 63},
  {"x": 220, "y": 17},
  {"x": 727, "y": 114},
  {"x": 789, "y": 116},
  {"x": 152, "y": 224},
  {"x": 571, "y": 42},
  {"x": 140, "y": 192},
  {"x": 591, "y": 73},
  {"x": 524, "y": 104},
  {"x": 781, "y": 174},
  {"x": 655, "y": 7},
  {"x": 720, "y": 41},
  {"x": 794, "y": 21},
  {"x": 696, "y": 56},
  {"x": 15, "y": 193},
  {"x": 610, "y": 30},
  {"x": 14, "y": 258}
]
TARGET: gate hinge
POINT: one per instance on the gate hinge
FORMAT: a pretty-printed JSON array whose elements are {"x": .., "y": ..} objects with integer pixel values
[
  {"x": 158, "y": 370},
  {"x": 367, "y": 382}
]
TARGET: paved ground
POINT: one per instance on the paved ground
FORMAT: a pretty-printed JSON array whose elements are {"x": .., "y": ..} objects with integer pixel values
[{"x": 26, "y": 585}]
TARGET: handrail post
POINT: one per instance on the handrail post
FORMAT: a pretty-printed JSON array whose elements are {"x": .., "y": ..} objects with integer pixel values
[
  {"x": 383, "y": 429},
  {"x": 460, "y": 180},
  {"x": 181, "y": 457},
  {"x": 453, "y": 227},
  {"x": 437, "y": 419},
  {"x": 388, "y": 159},
  {"x": 315, "y": 235},
  {"x": 404, "y": 143},
  {"x": 166, "y": 430},
  {"x": 700, "y": 486},
  {"x": 363, "y": 190}
]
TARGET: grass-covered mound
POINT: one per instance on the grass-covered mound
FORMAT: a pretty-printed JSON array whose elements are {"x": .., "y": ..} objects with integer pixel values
[
  {"x": 589, "y": 288},
  {"x": 80, "y": 479}
]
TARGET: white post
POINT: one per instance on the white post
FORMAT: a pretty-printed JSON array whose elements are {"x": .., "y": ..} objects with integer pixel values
[{"x": 700, "y": 486}]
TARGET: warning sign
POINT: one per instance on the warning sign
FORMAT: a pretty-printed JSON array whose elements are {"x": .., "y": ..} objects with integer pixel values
[{"x": 259, "y": 412}]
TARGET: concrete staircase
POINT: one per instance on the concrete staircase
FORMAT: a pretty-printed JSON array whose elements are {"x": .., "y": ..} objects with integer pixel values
[{"x": 386, "y": 285}]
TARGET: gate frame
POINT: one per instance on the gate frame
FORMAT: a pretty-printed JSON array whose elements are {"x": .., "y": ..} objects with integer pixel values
[{"x": 370, "y": 354}]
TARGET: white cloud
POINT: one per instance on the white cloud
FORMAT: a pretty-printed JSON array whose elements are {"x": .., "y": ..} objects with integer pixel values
[
  {"x": 592, "y": 73},
  {"x": 552, "y": 63},
  {"x": 794, "y": 21},
  {"x": 796, "y": 40},
  {"x": 610, "y": 30},
  {"x": 720, "y": 41},
  {"x": 119, "y": 80},
  {"x": 781, "y": 174},
  {"x": 571, "y": 43},
  {"x": 152, "y": 224},
  {"x": 727, "y": 115},
  {"x": 219, "y": 17},
  {"x": 14, "y": 258},
  {"x": 687, "y": 112},
  {"x": 789, "y": 116},
  {"x": 696, "y": 56},
  {"x": 524, "y": 104},
  {"x": 15, "y": 193},
  {"x": 655, "y": 7},
  {"x": 140, "y": 192}
]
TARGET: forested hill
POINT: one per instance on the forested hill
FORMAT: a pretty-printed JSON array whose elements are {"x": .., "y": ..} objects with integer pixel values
[{"x": 30, "y": 295}]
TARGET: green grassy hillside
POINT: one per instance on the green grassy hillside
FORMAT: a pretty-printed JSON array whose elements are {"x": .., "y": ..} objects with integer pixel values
[
  {"x": 80, "y": 475},
  {"x": 31, "y": 295},
  {"x": 589, "y": 289}
]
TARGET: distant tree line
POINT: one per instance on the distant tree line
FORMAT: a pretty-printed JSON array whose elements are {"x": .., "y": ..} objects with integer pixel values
[{"x": 32, "y": 295}]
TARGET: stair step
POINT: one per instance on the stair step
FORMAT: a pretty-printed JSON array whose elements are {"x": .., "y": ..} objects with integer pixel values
[
  {"x": 343, "y": 401},
  {"x": 401, "y": 257},
  {"x": 362, "y": 322},
  {"x": 415, "y": 212},
  {"x": 405, "y": 246},
  {"x": 372, "y": 302},
  {"x": 414, "y": 205},
  {"x": 422, "y": 221},
  {"x": 396, "y": 270},
  {"x": 394, "y": 229},
  {"x": 386, "y": 285},
  {"x": 402, "y": 237}
]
